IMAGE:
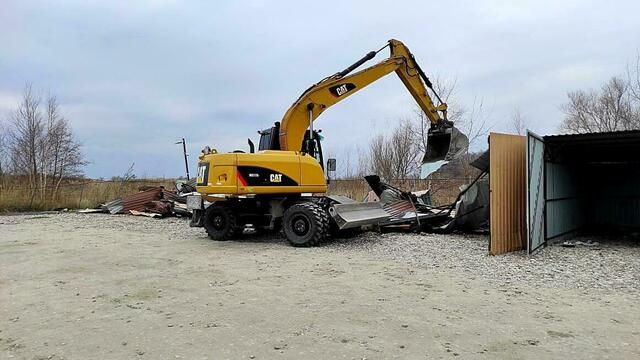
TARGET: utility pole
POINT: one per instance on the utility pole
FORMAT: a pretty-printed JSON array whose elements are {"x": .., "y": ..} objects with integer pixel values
[{"x": 184, "y": 151}]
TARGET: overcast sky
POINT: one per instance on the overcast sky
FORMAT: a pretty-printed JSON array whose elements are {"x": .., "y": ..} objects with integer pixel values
[{"x": 133, "y": 77}]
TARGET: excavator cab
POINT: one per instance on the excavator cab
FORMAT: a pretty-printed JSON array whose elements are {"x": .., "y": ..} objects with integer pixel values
[
  {"x": 269, "y": 139},
  {"x": 313, "y": 146}
]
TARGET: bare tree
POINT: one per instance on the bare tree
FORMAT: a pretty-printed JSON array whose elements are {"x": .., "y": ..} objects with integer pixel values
[
  {"x": 3, "y": 150},
  {"x": 518, "y": 122},
  {"x": 633, "y": 79},
  {"x": 380, "y": 157},
  {"x": 42, "y": 146},
  {"x": 26, "y": 135},
  {"x": 405, "y": 152},
  {"x": 614, "y": 107},
  {"x": 472, "y": 120},
  {"x": 396, "y": 156}
]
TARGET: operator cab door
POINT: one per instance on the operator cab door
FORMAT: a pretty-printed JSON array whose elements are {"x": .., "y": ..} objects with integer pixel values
[
  {"x": 316, "y": 147},
  {"x": 535, "y": 192}
]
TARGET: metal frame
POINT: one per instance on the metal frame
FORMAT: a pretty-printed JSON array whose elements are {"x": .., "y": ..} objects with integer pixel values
[{"x": 544, "y": 193}]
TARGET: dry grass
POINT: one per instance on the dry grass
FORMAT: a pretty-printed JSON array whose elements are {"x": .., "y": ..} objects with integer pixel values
[{"x": 15, "y": 195}]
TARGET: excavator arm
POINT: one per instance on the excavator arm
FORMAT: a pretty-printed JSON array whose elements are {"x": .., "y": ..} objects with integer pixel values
[{"x": 333, "y": 89}]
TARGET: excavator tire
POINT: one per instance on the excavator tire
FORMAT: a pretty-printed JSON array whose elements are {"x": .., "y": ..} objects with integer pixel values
[
  {"x": 306, "y": 224},
  {"x": 220, "y": 222}
]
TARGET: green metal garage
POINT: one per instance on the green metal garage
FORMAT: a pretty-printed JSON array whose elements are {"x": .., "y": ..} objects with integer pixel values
[
  {"x": 582, "y": 184},
  {"x": 555, "y": 187}
]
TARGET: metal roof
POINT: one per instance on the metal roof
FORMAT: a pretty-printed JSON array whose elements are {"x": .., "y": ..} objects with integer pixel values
[
  {"x": 604, "y": 147},
  {"x": 610, "y": 135}
]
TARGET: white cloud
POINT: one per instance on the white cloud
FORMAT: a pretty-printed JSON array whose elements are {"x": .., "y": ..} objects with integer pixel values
[{"x": 133, "y": 76}]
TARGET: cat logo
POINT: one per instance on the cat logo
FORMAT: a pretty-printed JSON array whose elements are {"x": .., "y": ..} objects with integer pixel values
[
  {"x": 341, "y": 89},
  {"x": 275, "y": 178}
]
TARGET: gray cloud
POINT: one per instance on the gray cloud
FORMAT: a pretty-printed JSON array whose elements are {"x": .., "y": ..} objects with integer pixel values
[{"x": 133, "y": 77}]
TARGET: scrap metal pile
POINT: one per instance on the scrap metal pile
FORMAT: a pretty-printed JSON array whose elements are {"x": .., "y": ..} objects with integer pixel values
[
  {"x": 154, "y": 202},
  {"x": 390, "y": 208}
]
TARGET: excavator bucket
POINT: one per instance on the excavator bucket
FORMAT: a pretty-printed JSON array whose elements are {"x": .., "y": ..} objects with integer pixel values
[{"x": 445, "y": 144}]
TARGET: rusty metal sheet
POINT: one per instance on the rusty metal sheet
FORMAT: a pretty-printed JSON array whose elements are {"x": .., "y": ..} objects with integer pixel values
[
  {"x": 397, "y": 209},
  {"x": 507, "y": 186},
  {"x": 173, "y": 196},
  {"x": 137, "y": 201}
]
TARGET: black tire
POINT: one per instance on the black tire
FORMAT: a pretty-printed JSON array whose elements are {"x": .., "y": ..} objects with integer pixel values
[
  {"x": 305, "y": 224},
  {"x": 220, "y": 222}
]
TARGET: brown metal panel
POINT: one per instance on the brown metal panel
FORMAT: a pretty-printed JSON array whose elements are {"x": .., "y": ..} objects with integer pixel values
[
  {"x": 507, "y": 166},
  {"x": 137, "y": 201}
]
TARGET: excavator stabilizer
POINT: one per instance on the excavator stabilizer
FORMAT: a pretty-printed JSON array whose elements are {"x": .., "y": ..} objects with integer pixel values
[{"x": 445, "y": 144}]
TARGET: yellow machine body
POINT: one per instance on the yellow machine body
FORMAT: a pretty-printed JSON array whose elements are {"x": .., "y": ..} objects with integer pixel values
[
  {"x": 284, "y": 167},
  {"x": 288, "y": 163},
  {"x": 264, "y": 172}
]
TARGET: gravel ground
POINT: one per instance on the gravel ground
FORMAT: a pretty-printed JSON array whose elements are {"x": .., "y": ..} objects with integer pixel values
[
  {"x": 612, "y": 265},
  {"x": 79, "y": 286}
]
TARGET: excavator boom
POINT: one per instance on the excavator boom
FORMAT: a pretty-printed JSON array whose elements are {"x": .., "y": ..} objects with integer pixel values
[{"x": 333, "y": 89}]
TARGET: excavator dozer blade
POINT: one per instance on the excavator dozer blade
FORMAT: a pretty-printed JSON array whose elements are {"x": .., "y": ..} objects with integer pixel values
[
  {"x": 447, "y": 144},
  {"x": 358, "y": 214}
]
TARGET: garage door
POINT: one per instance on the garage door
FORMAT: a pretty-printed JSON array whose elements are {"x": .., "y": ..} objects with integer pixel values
[
  {"x": 507, "y": 187},
  {"x": 535, "y": 192}
]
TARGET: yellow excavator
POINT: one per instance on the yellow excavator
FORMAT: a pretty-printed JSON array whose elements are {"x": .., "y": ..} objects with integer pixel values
[{"x": 281, "y": 185}]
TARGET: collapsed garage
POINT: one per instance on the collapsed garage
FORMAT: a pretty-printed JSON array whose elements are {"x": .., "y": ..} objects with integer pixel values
[{"x": 552, "y": 188}]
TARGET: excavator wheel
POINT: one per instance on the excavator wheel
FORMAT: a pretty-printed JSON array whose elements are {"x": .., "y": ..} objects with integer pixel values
[
  {"x": 306, "y": 224},
  {"x": 220, "y": 222}
]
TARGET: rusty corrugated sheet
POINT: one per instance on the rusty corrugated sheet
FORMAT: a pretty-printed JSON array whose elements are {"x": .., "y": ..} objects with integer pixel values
[
  {"x": 507, "y": 166},
  {"x": 398, "y": 208},
  {"x": 137, "y": 201},
  {"x": 173, "y": 196}
]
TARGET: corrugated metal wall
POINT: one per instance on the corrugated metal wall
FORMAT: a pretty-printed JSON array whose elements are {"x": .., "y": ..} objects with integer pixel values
[
  {"x": 508, "y": 190},
  {"x": 565, "y": 208},
  {"x": 590, "y": 197},
  {"x": 615, "y": 196}
]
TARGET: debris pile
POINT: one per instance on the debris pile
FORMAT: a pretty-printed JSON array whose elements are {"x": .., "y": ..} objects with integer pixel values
[
  {"x": 154, "y": 202},
  {"x": 414, "y": 210}
]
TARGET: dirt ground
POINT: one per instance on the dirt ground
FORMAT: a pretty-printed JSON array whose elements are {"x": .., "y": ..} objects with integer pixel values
[{"x": 119, "y": 287}]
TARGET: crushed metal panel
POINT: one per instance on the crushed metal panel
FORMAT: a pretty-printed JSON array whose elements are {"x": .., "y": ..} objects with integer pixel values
[
  {"x": 173, "y": 196},
  {"x": 137, "y": 201},
  {"x": 507, "y": 166},
  {"x": 147, "y": 214},
  {"x": 482, "y": 162},
  {"x": 535, "y": 192},
  {"x": 398, "y": 208},
  {"x": 113, "y": 206}
]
